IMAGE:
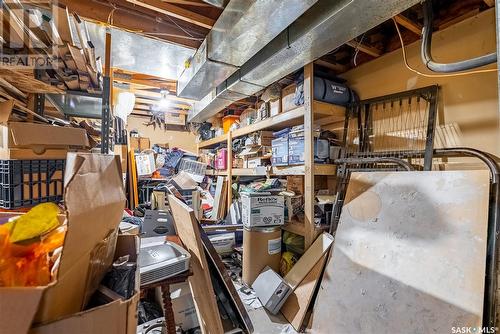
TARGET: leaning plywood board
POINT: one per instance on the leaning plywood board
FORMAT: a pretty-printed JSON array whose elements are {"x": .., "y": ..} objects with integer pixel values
[
  {"x": 188, "y": 230},
  {"x": 409, "y": 255},
  {"x": 297, "y": 304},
  {"x": 307, "y": 261}
]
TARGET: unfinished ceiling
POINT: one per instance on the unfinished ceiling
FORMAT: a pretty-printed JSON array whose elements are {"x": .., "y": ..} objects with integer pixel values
[
  {"x": 183, "y": 22},
  {"x": 384, "y": 39}
]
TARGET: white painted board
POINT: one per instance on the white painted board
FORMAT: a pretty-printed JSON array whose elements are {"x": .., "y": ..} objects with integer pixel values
[{"x": 409, "y": 255}]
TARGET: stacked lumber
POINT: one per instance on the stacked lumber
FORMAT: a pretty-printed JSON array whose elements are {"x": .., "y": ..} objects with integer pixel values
[{"x": 63, "y": 40}]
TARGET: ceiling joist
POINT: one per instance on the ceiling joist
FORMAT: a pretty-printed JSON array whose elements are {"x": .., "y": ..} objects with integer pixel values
[
  {"x": 176, "y": 11},
  {"x": 409, "y": 24},
  {"x": 369, "y": 50},
  {"x": 140, "y": 20}
]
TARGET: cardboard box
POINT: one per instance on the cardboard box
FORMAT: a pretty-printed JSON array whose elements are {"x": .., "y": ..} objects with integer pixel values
[
  {"x": 139, "y": 143},
  {"x": 116, "y": 317},
  {"x": 262, "y": 138},
  {"x": 248, "y": 116},
  {"x": 94, "y": 199},
  {"x": 287, "y": 98},
  {"x": 25, "y": 140},
  {"x": 20, "y": 140},
  {"x": 175, "y": 118},
  {"x": 262, "y": 210},
  {"x": 274, "y": 107},
  {"x": 280, "y": 151},
  {"x": 295, "y": 183},
  {"x": 238, "y": 162},
  {"x": 294, "y": 205}
]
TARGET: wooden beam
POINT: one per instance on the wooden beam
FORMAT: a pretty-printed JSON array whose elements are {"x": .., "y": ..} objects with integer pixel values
[
  {"x": 369, "y": 50},
  {"x": 176, "y": 11},
  {"x": 155, "y": 95},
  {"x": 309, "y": 200},
  {"x": 490, "y": 3},
  {"x": 188, "y": 2},
  {"x": 332, "y": 66},
  {"x": 140, "y": 20},
  {"x": 409, "y": 24}
]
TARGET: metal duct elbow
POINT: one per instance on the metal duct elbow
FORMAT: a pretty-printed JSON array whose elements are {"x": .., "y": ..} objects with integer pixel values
[{"x": 450, "y": 67}]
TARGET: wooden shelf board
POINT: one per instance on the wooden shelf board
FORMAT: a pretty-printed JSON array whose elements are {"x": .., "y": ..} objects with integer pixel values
[
  {"x": 329, "y": 112},
  {"x": 212, "y": 142},
  {"x": 278, "y": 122},
  {"x": 213, "y": 172},
  {"x": 319, "y": 169}
]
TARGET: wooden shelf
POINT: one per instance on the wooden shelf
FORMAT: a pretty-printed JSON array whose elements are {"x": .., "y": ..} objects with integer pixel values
[
  {"x": 325, "y": 113},
  {"x": 278, "y": 122},
  {"x": 319, "y": 169},
  {"x": 212, "y": 142}
]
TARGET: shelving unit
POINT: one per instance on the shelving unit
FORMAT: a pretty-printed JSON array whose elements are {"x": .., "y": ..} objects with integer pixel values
[
  {"x": 312, "y": 113},
  {"x": 319, "y": 169}
]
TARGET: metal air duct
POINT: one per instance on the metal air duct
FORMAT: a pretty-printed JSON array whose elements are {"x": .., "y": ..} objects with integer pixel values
[
  {"x": 244, "y": 27},
  {"x": 326, "y": 26}
]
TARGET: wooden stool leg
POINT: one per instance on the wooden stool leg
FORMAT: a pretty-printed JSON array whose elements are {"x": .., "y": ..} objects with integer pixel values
[{"x": 169, "y": 311}]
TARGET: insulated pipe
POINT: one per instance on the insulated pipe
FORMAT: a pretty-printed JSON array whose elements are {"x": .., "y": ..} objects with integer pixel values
[
  {"x": 489, "y": 309},
  {"x": 450, "y": 67}
]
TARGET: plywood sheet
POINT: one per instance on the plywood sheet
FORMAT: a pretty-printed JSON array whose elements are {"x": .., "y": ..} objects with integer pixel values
[
  {"x": 297, "y": 304},
  {"x": 307, "y": 261},
  {"x": 409, "y": 255},
  {"x": 200, "y": 283}
]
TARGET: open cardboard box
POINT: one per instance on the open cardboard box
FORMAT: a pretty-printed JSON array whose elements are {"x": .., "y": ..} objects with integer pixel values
[
  {"x": 94, "y": 199},
  {"x": 116, "y": 317},
  {"x": 25, "y": 140}
]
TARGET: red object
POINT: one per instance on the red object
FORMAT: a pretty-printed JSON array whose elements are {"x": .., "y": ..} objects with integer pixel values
[{"x": 221, "y": 159}]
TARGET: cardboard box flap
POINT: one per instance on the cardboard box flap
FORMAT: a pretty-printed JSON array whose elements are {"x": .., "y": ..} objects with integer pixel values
[
  {"x": 5, "y": 111},
  {"x": 94, "y": 199},
  {"x": 116, "y": 317},
  {"x": 25, "y": 134},
  {"x": 18, "y": 307}
]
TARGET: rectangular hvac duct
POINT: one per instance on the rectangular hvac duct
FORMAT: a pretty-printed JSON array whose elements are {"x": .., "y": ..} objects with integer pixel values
[
  {"x": 244, "y": 27},
  {"x": 326, "y": 26}
]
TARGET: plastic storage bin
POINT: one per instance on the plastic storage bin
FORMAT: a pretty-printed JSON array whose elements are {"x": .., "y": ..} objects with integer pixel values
[{"x": 30, "y": 182}]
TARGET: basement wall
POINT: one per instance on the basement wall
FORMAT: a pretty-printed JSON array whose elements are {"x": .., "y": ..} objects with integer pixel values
[
  {"x": 470, "y": 101},
  {"x": 180, "y": 139}
]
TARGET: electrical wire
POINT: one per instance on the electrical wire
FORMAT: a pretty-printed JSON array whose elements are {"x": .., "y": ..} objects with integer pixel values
[
  {"x": 405, "y": 60},
  {"x": 111, "y": 13},
  {"x": 357, "y": 49}
]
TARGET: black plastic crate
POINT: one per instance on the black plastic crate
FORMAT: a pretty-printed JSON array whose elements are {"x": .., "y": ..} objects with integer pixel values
[{"x": 30, "y": 182}]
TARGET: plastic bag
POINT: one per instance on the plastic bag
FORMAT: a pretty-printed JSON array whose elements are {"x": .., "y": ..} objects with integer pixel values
[{"x": 29, "y": 261}]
